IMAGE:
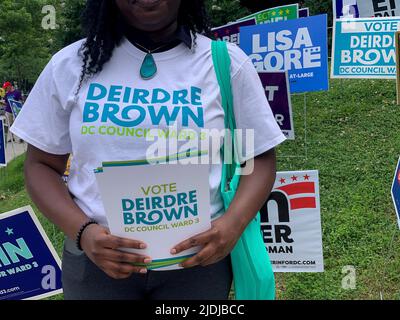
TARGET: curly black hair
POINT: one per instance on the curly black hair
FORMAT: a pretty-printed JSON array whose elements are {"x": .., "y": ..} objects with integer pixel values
[{"x": 101, "y": 22}]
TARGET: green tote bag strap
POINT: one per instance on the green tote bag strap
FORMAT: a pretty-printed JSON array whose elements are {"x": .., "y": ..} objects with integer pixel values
[
  {"x": 252, "y": 269},
  {"x": 222, "y": 64}
]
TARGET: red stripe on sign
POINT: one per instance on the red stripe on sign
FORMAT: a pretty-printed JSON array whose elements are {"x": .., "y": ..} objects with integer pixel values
[
  {"x": 303, "y": 203},
  {"x": 297, "y": 188}
]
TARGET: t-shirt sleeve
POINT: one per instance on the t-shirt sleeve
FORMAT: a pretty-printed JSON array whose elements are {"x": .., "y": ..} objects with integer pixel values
[
  {"x": 43, "y": 121},
  {"x": 252, "y": 111}
]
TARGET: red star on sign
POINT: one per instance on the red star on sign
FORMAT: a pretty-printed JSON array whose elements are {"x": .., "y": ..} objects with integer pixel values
[
  {"x": 227, "y": 31},
  {"x": 294, "y": 178},
  {"x": 398, "y": 177},
  {"x": 306, "y": 177},
  {"x": 282, "y": 181}
]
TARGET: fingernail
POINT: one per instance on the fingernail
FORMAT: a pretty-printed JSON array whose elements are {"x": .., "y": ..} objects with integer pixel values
[
  {"x": 143, "y": 270},
  {"x": 143, "y": 246},
  {"x": 148, "y": 260},
  {"x": 173, "y": 251}
]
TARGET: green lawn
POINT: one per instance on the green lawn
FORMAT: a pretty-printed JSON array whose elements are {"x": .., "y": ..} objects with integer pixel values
[{"x": 352, "y": 139}]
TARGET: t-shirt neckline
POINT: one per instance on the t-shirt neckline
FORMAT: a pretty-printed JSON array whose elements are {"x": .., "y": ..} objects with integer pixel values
[{"x": 159, "y": 56}]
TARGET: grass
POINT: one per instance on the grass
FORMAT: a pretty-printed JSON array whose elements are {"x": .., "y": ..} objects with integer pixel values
[{"x": 352, "y": 139}]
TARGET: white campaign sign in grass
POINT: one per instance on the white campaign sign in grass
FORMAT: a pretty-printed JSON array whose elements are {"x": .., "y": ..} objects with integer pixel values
[{"x": 291, "y": 223}]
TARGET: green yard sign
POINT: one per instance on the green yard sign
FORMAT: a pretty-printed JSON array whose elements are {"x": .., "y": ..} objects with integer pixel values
[{"x": 276, "y": 14}]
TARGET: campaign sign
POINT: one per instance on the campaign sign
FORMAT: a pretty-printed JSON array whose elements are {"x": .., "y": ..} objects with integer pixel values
[
  {"x": 29, "y": 265},
  {"x": 365, "y": 48},
  {"x": 230, "y": 32},
  {"x": 161, "y": 205},
  {"x": 3, "y": 160},
  {"x": 282, "y": 13},
  {"x": 379, "y": 8},
  {"x": 299, "y": 46},
  {"x": 304, "y": 13},
  {"x": 276, "y": 86},
  {"x": 396, "y": 191},
  {"x": 16, "y": 107},
  {"x": 345, "y": 9},
  {"x": 291, "y": 223}
]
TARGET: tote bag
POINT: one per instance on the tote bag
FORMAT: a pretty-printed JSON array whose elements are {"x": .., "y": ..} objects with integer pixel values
[{"x": 252, "y": 270}]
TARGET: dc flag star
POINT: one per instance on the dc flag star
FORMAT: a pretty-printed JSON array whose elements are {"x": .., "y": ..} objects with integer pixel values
[{"x": 301, "y": 194}]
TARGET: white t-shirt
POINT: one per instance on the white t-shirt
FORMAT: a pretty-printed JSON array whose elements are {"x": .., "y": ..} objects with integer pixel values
[{"x": 116, "y": 109}]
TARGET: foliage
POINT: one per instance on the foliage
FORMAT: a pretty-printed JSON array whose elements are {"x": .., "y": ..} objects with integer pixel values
[
  {"x": 25, "y": 47},
  {"x": 70, "y": 27},
  {"x": 224, "y": 11},
  {"x": 319, "y": 6}
]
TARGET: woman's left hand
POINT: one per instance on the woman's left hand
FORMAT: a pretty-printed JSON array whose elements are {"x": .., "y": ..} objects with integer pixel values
[{"x": 217, "y": 243}]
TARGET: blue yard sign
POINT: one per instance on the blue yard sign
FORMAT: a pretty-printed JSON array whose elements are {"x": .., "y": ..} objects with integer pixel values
[
  {"x": 298, "y": 46},
  {"x": 29, "y": 265},
  {"x": 364, "y": 48},
  {"x": 16, "y": 107},
  {"x": 396, "y": 191},
  {"x": 3, "y": 160}
]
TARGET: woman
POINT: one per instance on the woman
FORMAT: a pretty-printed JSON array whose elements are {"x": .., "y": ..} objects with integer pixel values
[{"x": 139, "y": 45}]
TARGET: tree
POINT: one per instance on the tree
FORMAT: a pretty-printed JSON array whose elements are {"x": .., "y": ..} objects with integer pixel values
[
  {"x": 257, "y": 5},
  {"x": 70, "y": 23},
  {"x": 224, "y": 11},
  {"x": 25, "y": 47},
  {"x": 320, "y": 6}
]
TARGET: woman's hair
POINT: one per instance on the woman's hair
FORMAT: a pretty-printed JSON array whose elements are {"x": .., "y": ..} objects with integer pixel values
[{"x": 101, "y": 21}]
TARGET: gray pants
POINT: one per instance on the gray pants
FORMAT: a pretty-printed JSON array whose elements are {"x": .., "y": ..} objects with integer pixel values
[{"x": 83, "y": 280}]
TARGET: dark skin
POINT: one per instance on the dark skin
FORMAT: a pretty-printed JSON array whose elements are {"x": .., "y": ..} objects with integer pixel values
[
  {"x": 157, "y": 18},
  {"x": 43, "y": 172}
]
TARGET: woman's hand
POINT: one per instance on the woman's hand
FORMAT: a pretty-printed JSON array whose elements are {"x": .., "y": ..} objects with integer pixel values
[
  {"x": 254, "y": 189},
  {"x": 102, "y": 248},
  {"x": 217, "y": 243}
]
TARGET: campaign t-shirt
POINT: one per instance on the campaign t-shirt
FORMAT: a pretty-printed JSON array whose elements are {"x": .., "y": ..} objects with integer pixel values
[{"x": 116, "y": 113}]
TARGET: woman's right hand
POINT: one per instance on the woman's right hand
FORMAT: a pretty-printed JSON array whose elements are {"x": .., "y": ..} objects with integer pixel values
[{"x": 102, "y": 248}]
